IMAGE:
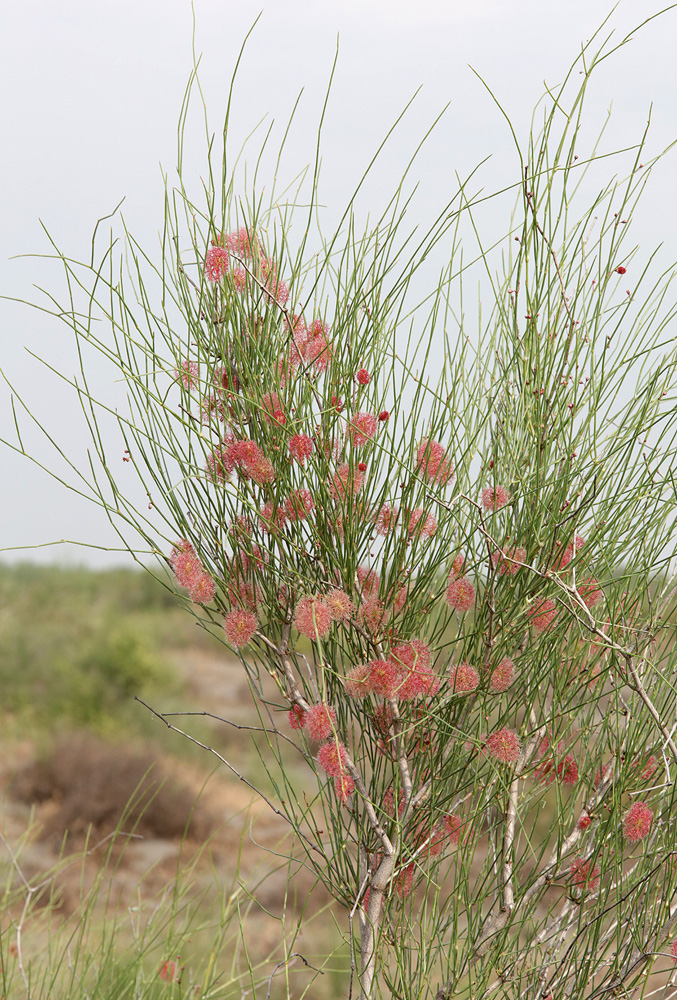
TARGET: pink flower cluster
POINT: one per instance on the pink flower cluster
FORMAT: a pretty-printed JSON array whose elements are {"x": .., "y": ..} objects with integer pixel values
[
  {"x": 503, "y": 745},
  {"x": 191, "y": 574},
  {"x": 432, "y": 462},
  {"x": 310, "y": 348},
  {"x": 495, "y": 497},
  {"x": 507, "y": 561},
  {"x": 405, "y": 674},
  {"x": 239, "y": 627},
  {"x": 637, "y": 823},
  {"x": 245, "y": 456},
  {"x": 584, "y": 874},
  {"x": 246, "y": 248},
  {"x": 332, "y": 758},
  {"x": 315, "y": 613},
  {"x": 460, "y": 593},
  {"x": 550, "y": 769}
]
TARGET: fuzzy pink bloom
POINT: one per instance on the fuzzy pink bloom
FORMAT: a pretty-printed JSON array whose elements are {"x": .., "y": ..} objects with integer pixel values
[
  {"x": 298, "y": 505},
  {"x": 502, "y": 676},
  {"x": 297, "y": 717},
  {"x": 461, "y": 594},
  {"x": 649, "y": 769},
  {"x": 244, "y": 243},
  {"x": 216, "y": 263},
  {"x": 457, "y": 565},
  {"x": 358, "y": 681},
  {"x": 220, "y": 463},
  {"x": 339, "y": 604},
  {"x": 344, "y": 785},
  {"x": 590, "y": 591},
  {"x": 404, "y": 882},
  {"x": 584, "y": 874},
  {"x": 239, "y": 627},
  {"x": 319, "y": 721},
  {"x": 503, "y": 745},
  {"x": 417, "y": 683},
  {"x": 301, "y": 447},
  {"x": 332, "y": 758},
  {"x": 422, "y": 523},
  {"x": 584, "y": 822},
  {"x": 389, "y": 802},
  {"x": 569, "y": 552},
  {"x": 270, "y": 518},
  {"x": 187, "y": 374},
  {"x": 567, "y": 770},
  {"x": 371, "y": 614},
  {"x": 185, "y": 563},
  {"x": 345, "y": 482},
  {"x": 202, "y": 589},
  {"x": 261, "y": 471},
  {"x": 504, "y": 560},
  {"x": 463, "y": 678},
  {"x": 452, "y": 827},
  {"x": 638, "y": 820},
  {"x": 169, "y": 972},
  {"x": 386, "y": 519},
  {"x": 272, "y": 408},
  {"x": 363, "y": 428},
  {"x": 368, "y": 580},
  {"x": 431, "y": 461},
  {"x": 312, "y": 617},
  {"x": 400, "y": 599},
  {"x": 494, "y": 497},
  {"x": 362, "y": 376},
  {"x": 239, "y": 278},
  {"x": 384, "y": 677},
  {"x": 542, "y": 614},
  {"x": 249, "y": 458},
  {"x": 412, "y": 654}
]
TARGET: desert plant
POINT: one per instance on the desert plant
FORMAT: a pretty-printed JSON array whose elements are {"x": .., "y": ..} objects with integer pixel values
[{"x": 442, "y": 545}]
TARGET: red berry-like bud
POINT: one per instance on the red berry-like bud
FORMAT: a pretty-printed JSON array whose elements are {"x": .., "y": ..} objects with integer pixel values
[
  {"x": 621, "y": 270},
  {"x": 363, "y": 376},
  {"x": 362, "y": 467}
]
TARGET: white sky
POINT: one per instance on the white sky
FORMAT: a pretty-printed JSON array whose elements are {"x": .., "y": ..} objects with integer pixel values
[{"x": 91, "y": 95}]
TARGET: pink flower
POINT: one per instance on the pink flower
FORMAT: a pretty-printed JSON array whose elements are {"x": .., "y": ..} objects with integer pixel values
[
  {"x": 371, "y": 614},
  {"x": 421, "y": 522},
  {"x": 431, "y": 461},
  {"x": 461, "y": 594},
  {"x": 404, "y": 882},
  {"x": 358, "y": 681},
  {"x": 368, "y": 580},
  {"x": 567, "y": 770},
  {"x": 320, "y": 719},
  {"x": 638, "y": 820},
  {"x": 239, "y": 278},
  {"x": 452, "y": 827},
  {"x": 590, "y": 591},
  {"x": 494, "y": 497},
  {"x": 463, "y": 678},
  {"x": 414, "y": 654},
  {"x": 569, "y": 552},
  {"x": 505, "y": 560},
  {"x": 503, "y": 745},
  {"x": 383, "y": 416},
  {"x": 272, "y": 408},
  {"x": 385, "y": 519},
  {"x": 502, "y": 676},
  {"x": 202, "y": 589},
  {"x": 185, "y": 563},
  {"x": 169, "y": 972},
  {"x": 362, "y": 376},
  {"x": 216, "y": 263},
  {"x": 312, "y": 617},
  {"x": 301, "y": 447},
  {"x": 363, "y": 428},
  {"x": 298, "y": 505},
  {"x": 188, "y": 374},
  {"x": 457, "y": 565},
  {"x": 584, "y": 822},
  {"x": 542, "y": 614},
  {"x": 340, "y": 605},
  {"x": 239, "y": 627},
  {"x": 384, "y": 677},
  {"x": 584, "y": 874},
  {"x": 297, "y": 717},
  {"x": 345, "y": 482},
  {"x": 344, "y": 785},
  {"x": 621, "y": 270},
  {"x": 270, "y": 518},
  {"x": 332, "y": 758},
  {"x": 220, "y": 463}
]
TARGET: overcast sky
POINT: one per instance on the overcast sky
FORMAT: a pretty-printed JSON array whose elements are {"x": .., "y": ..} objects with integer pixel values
[{"x": 91, "y": 95}]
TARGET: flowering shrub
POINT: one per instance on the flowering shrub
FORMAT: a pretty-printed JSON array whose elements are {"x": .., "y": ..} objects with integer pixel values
[{"x": 397, "y": 563}]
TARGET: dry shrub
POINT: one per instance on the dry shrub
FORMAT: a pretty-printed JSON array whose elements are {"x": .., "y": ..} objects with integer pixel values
[{"x": 91, "y": 783}]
